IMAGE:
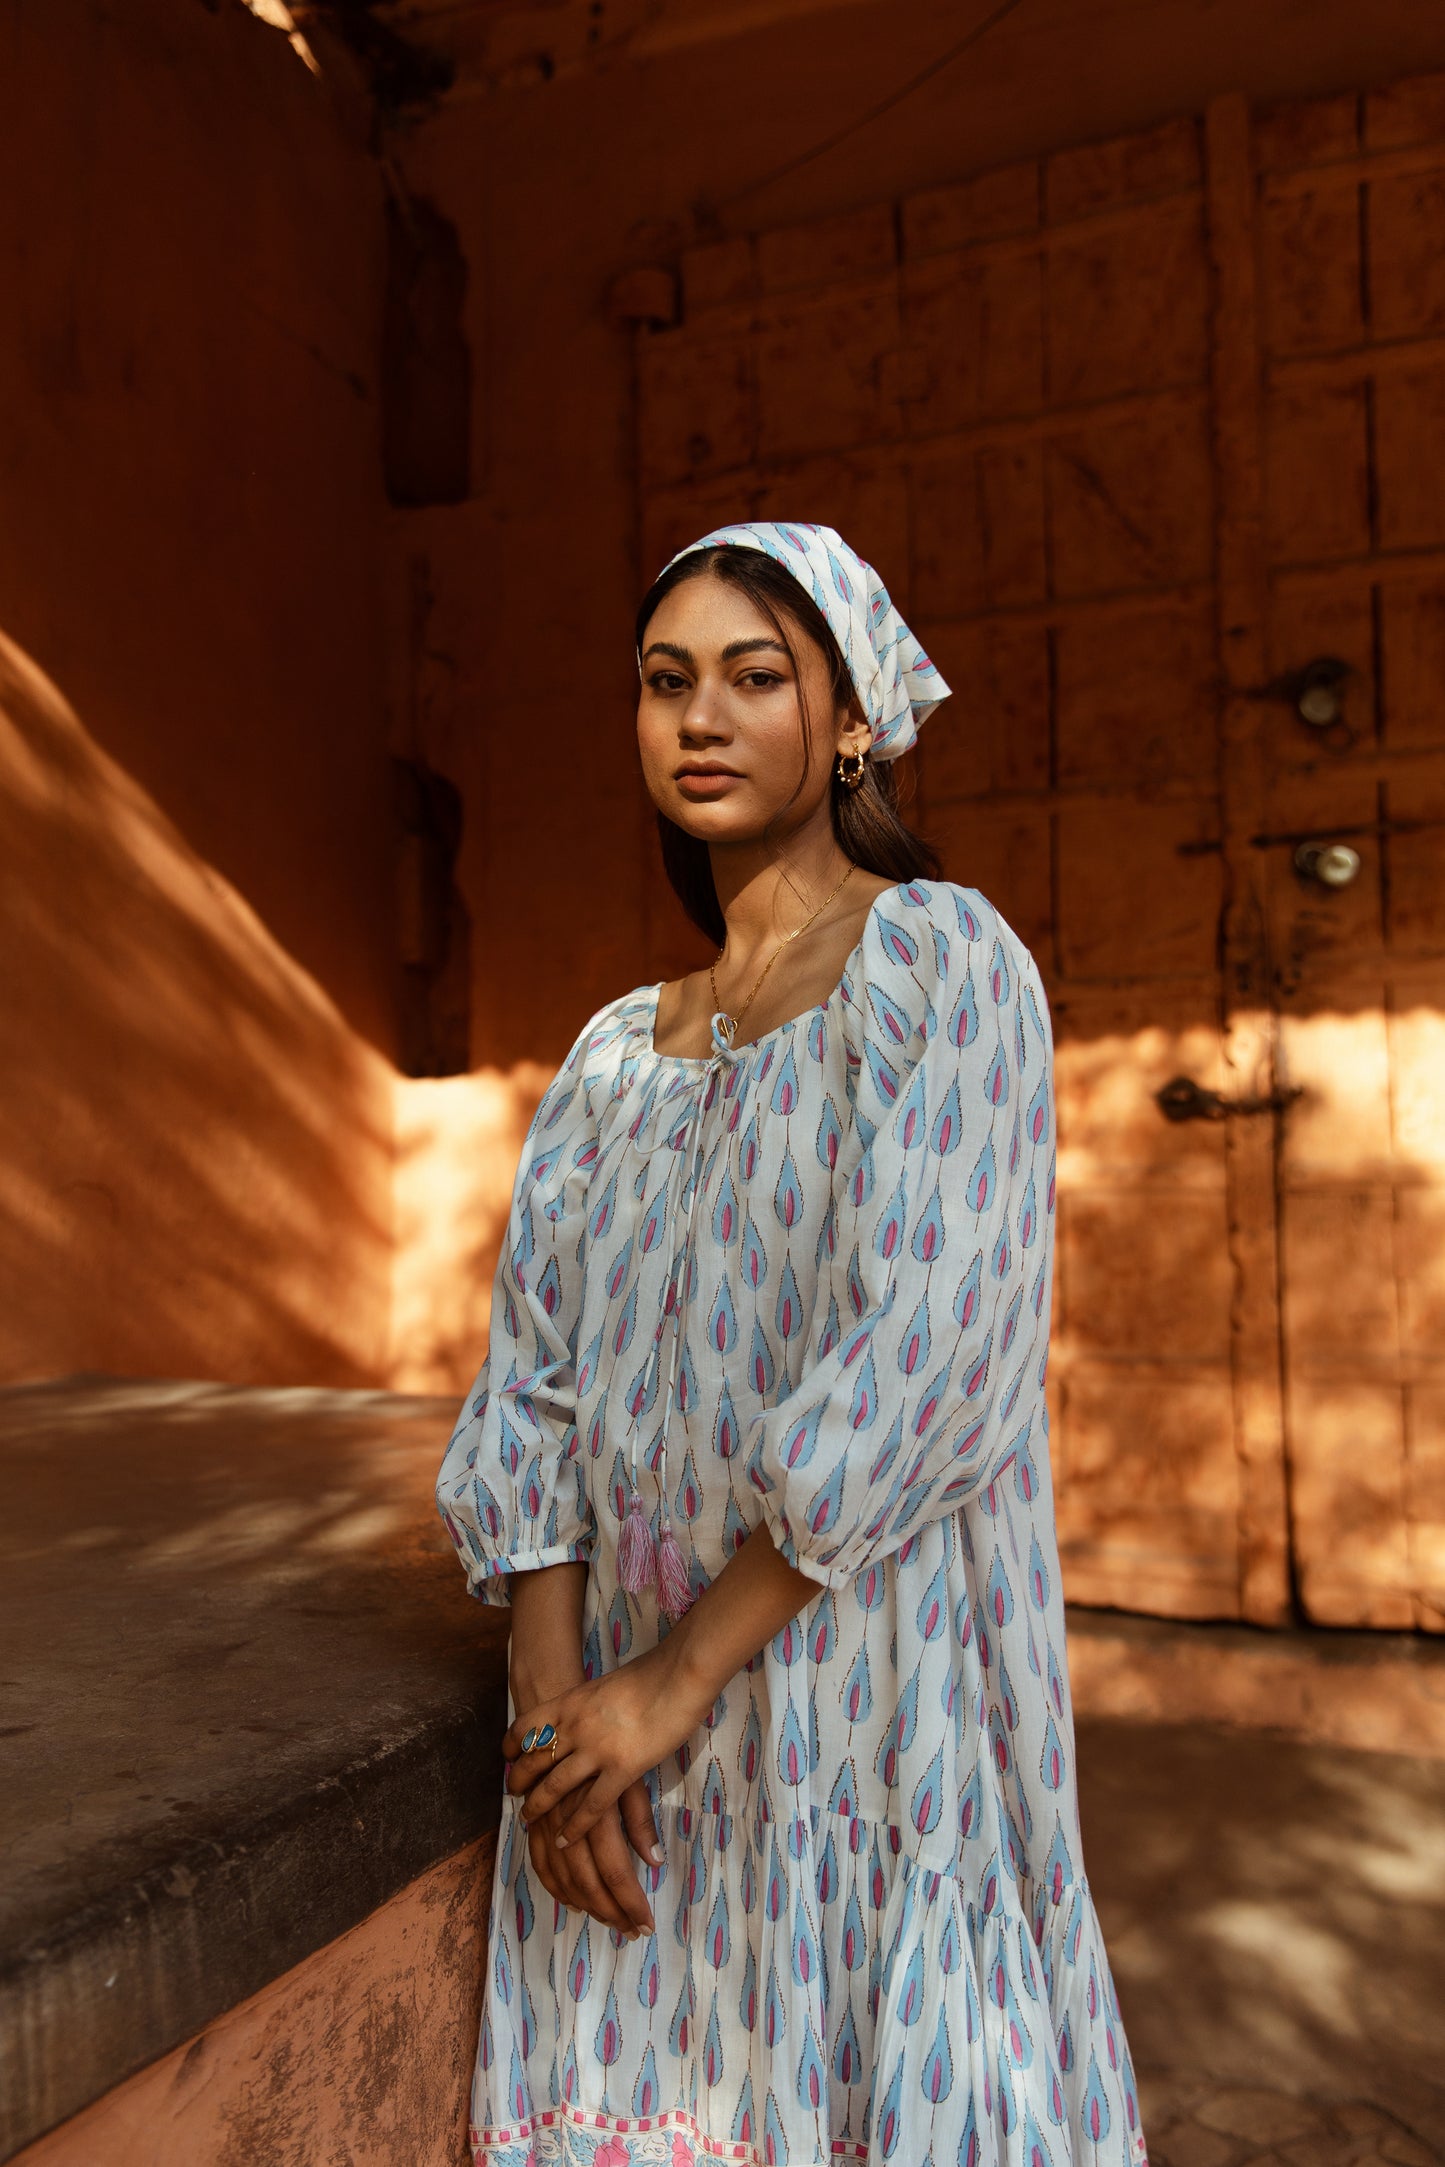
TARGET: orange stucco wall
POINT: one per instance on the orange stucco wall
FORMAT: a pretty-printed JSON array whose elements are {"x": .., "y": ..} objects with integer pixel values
[
  {"x": 195, "y": 919},
  {"x": 631, "y": 162},
  {"x": 362, "y": 2053}
]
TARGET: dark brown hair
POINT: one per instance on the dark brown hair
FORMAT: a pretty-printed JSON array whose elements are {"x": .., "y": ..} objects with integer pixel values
[{"x": 866, "y": 820}]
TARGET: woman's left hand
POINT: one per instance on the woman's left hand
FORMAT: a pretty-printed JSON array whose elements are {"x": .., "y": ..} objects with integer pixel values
[{"x": 610, "y": 1731}]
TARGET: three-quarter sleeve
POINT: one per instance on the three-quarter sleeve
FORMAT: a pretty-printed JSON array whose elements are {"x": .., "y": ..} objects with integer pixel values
[
  {"x": 941, "y": 1242},
  {"x": 511, "y": 1490}
]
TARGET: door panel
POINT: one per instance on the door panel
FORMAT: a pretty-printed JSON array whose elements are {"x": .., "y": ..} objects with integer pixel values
[{"x": 1134, "y": 430}]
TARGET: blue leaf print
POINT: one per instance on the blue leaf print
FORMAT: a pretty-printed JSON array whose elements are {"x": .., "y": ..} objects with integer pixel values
[
  {"x": 883, "y": 1074},
  {"x": 847, "y": 2054},
  {"x": 792, "y": 1753},
  {"x": 1052, "y": 1767},
  {"x": 822, "y": 1632},
  {"x": 898, "y": 944},
  {"x": 927, "y": 1804},
  {"x": 1036, "y": 1120},
  {"x": 999, "y": 982},
  {"x": 948, "y": 1123},
  {"x": 754, "y": 1257},
  {"x": 677, "y": 2031},
  {"x": 912, "y": 1122},
  {"x": 579, "y": 1971},
  {"x": 775, "y": 2144},
  {"x": 1096, "y": 2104},
  {"x": 609, "y": 2032},
  {"x": 984, "y": 1179},
  {"x": 687, "y": 1503},
  {"x": 788, "y": 1195},
  {"x": 785, "y": 1088},
  {"x": 932, "y": 1614},
  {"x": 937, "y": 2075},
  {"x": 718, "y": 1944},
  {"x": 858, "y": 1689},
  {"x": 775, "y": 2021},
  {"x": 760, "y": 1362},
  {"x": 962, "y": 1024},
  {"x": 722, "y": 1323},
  {"x": 725, "y": 1212},
  {"x": 645, "y": 2093},
  {"x": 748, "y": 1998},
  {"x": 890, "y": 2120},
  {"x": 789, "y": 1311}
]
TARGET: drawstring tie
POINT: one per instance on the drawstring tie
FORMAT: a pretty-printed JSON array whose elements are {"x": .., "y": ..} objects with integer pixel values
[{"x": 642, "y": 1560}]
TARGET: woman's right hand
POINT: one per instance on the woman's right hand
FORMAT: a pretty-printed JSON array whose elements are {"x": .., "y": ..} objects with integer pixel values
[{"x": 594, "y": 1873}]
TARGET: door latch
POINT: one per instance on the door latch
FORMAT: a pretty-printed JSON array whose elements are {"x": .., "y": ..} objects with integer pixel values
[{"x": 1182, "y": 1099}]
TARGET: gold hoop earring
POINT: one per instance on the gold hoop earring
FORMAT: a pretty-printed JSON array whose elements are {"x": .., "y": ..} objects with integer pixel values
[{"x": 852, "y": 776}]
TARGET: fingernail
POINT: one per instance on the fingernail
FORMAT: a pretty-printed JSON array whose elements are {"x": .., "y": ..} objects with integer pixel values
[
  {"x": 657, "y": 1854},
  {"x": 561, "y": 1843}
]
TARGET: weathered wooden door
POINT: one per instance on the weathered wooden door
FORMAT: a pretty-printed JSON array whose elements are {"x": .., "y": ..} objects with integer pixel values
[
  {"x": 1137, "y": 431},
  {"x": 1351, "y": 213}
]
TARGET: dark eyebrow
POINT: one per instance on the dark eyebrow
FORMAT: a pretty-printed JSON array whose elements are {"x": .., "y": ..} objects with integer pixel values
[
  {"x": 752, "y": 647},
  {"x": 731, "y": 653}
]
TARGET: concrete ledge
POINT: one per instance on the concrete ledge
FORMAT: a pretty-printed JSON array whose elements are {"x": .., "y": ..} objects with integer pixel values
[
  {"x": 251, "y": 1703},
  {"x": 362, "y": 2053},
  {"x": 248, "y": 1704},
  {"x": 1370, "y": 1692}
]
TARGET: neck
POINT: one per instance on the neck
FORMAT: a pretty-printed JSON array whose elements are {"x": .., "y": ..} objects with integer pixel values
[{"x": 764, "y": 903}]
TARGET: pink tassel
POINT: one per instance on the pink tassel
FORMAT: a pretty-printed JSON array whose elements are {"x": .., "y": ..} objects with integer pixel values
[
  {"x": 674, "y": 1591},
  {"x": 636, "y": 1551}
]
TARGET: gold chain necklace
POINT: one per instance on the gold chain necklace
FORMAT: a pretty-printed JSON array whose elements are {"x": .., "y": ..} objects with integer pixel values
[{"x": 730, "y": 1023}]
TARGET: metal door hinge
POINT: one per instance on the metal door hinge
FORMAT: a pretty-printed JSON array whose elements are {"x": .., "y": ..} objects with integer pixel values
[{"x": 1182, "y": 1099}]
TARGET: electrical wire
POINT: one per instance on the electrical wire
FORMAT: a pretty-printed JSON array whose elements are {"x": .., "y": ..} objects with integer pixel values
[{"x": 935, "y": 67}]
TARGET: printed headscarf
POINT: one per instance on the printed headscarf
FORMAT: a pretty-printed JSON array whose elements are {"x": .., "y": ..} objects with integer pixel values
[{"x": 897, "y": 686}]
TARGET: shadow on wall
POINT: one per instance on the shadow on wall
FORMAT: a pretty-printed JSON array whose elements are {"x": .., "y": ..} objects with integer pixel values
[
  {"x": 198, "y": 1183},
  {"x": 200, "y": 1175}
]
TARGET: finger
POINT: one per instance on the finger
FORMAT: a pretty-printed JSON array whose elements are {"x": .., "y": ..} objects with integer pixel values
[
  {"x": 593, "y": 1894},
  {"x": 533, "y": 1724},
  {"x": 572, "y": 1769},
  {"x": 526, "y": 1774},
  {"x": 613, "y": 1861},
  {"x": 639, "y": 1822},
  {"x": 550, "y": 1871},
  {"x": 582, "y": 1812}
]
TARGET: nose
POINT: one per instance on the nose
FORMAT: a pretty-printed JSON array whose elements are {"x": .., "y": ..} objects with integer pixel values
[{"x": 703, "y": 721}]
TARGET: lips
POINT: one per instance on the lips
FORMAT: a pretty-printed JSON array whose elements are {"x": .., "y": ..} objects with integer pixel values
[{"x": 704, "y": 774}]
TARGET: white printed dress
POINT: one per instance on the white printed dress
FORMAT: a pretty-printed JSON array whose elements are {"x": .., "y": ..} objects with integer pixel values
[{"x": 875, "y": 1941}]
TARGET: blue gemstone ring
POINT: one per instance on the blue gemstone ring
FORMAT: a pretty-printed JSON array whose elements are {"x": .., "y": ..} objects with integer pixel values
[
  {"x": 530, "y": 1740},
  {"x": 546, "y": 1734}
]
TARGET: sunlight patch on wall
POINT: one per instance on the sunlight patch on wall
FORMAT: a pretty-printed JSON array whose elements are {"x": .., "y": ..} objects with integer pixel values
[{"x": 280, "y": 18}]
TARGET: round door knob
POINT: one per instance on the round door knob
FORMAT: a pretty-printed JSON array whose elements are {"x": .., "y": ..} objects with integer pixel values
[
  {"x": 1319, "y": 705},
  {"x": 1333, "y": 865}
]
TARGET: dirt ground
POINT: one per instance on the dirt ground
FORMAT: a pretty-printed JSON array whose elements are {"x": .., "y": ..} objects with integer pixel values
[{"x": 1275, "y": 1913}]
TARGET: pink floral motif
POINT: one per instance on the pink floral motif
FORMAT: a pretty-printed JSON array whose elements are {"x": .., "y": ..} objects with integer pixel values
[
  {"x": 682, "y": 2152},
  {"x": 616, "y": 2152}
]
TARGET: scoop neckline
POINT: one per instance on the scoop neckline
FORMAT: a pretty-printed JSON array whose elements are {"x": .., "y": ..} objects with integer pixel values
[{"x": 750, "y": 1045}]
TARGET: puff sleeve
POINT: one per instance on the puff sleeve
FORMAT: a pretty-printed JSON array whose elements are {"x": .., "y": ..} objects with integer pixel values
[
  {"x": 511, "y": 1491},
  {"x": 929, "y": 1376}
]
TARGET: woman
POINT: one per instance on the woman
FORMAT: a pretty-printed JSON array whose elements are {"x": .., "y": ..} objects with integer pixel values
[{"x": 759, "y": 1456}]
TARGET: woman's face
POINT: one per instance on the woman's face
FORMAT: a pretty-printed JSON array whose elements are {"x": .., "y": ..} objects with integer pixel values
[{"x": 718, "y": 715}]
